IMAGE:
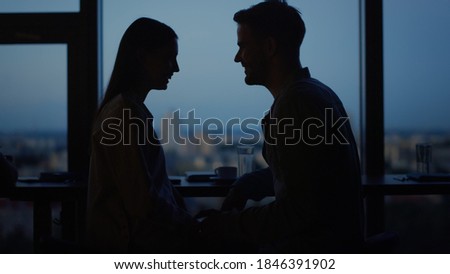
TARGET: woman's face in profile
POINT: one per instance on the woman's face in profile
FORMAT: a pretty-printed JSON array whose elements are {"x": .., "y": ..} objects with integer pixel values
[{"x": 160, "y": 65}]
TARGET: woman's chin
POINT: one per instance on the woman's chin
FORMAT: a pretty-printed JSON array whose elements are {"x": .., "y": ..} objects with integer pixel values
[{"x": 160, "y": 87}]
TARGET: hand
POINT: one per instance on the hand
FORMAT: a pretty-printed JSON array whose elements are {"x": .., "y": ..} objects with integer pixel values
[
  {"x": 234, "y": 200},
  {"x": 216, "y": 222},
  {"x": 207, "y": 213},
  {"x": 212, "y": 231}
]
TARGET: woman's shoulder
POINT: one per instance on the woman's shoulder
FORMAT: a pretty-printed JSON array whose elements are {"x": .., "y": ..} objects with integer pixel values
[
  {"x": 118, "y": 106},
  {"x": 116, "y": 110}
]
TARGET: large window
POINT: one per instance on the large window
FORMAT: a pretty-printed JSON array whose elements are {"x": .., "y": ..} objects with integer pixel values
[
  {"x": 33, "y": 106},
  {"x": 211, "y": 84},
  {"x": 416, "y": 67}
]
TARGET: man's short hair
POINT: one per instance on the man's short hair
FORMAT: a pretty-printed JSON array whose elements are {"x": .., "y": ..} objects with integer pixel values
[{"x": 275, "y": 19}]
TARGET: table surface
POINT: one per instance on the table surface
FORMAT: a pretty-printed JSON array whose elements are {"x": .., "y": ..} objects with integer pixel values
[
  {"x": 398, "y": 185},
  {"x": 383, "y": 185},
  {"x": 34, "y": 190}
]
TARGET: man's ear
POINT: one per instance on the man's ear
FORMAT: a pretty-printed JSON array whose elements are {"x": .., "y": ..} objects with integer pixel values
[{"x": 270, "y": 46}]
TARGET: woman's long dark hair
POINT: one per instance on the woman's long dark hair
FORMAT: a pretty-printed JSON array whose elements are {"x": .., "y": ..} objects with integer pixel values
[{"x": 143, "y": 34}]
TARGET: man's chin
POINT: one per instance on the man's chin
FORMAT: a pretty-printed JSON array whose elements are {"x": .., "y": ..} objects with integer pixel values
[{"x": 249, "y": 81}]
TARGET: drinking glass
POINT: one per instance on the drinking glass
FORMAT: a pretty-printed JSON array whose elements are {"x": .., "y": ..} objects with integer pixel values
[
  {"x": 423, "y": 157},
  {"x": 245, "y": 159}
]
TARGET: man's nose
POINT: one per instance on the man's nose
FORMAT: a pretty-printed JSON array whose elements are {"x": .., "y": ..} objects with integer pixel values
[{"x": 237, "y": 57}]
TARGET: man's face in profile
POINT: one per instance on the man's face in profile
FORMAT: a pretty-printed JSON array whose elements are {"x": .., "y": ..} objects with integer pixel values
[{"x": 251, "y": 56}]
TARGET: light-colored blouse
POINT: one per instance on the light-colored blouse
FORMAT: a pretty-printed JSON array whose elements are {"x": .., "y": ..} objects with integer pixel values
[{"x": 132, "y": 205}]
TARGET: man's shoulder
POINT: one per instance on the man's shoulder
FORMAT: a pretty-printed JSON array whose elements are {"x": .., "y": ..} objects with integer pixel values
[
  {"x": 308, "y": 87},
  {"x": 307, "y": 90},
  {"x": 308, "y": 96}
]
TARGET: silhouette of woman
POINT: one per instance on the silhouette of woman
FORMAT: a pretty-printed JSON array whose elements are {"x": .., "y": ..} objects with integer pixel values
[{"x": 132, "y": 205}]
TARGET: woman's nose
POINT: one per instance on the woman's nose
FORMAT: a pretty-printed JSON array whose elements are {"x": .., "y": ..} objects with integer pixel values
[{"x": 176, "y": 68}]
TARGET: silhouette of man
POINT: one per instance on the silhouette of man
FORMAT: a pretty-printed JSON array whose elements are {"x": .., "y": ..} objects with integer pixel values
[{"x": 309, "y": 147}]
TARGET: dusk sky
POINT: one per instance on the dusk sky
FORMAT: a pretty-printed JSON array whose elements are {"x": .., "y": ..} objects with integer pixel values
[{"x": 33, "y": 78}]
